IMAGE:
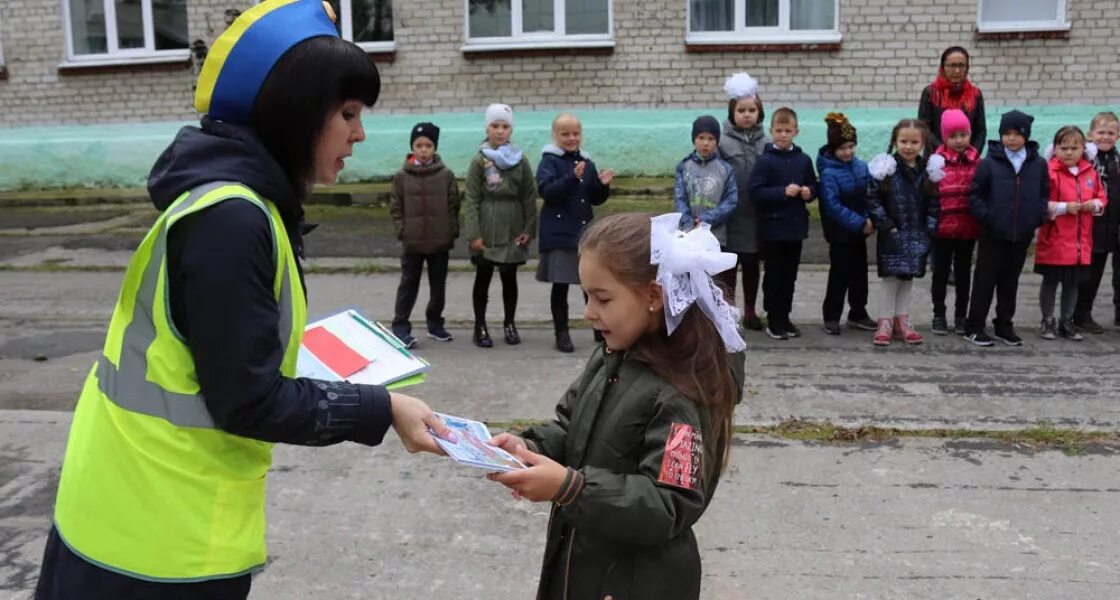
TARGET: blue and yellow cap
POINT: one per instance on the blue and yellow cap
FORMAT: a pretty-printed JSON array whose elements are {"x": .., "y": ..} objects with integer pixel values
[{"x": 241, "y": 58}]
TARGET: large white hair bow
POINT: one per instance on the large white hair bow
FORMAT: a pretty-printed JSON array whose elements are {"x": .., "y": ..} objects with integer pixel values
[
  {"x": 740, "y": 85},
  {"x": 685, "y": 263}
]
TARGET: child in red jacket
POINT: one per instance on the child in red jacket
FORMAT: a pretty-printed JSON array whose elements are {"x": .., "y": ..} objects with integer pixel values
[
  {"x": 957, "y": 230},
  {"x": 1065, "y": 240}
]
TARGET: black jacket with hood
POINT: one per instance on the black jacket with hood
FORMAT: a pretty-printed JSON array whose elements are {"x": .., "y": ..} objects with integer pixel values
[{"x": 220, "y": 268}]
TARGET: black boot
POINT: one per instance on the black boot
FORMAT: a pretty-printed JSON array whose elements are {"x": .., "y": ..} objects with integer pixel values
[
  {"x": 481, "y": 336},
  {"x": 564, "y": 341},
  {"x": 512, "y": 338}
]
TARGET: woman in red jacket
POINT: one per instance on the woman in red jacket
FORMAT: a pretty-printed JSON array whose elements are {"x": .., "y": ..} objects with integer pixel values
[{"x": 1065, "y": 240}]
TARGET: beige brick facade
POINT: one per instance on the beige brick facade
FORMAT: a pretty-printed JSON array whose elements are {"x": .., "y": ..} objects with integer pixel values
[{"x": 888, "y": 53}]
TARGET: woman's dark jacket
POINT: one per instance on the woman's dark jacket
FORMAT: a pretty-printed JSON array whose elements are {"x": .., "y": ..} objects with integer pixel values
[{"x": 220, "y": 268}]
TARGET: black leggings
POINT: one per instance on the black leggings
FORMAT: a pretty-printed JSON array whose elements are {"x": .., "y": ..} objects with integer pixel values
[
  {"x": 484, "y": 272},
  {"x": 559, "y": 304}
]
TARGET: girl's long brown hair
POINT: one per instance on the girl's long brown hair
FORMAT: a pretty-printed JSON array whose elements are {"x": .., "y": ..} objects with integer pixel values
[{"x": 694, "y": 360}]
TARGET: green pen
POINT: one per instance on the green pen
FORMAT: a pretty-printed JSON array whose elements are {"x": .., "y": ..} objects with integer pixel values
[{"x": 400, "y": 347}]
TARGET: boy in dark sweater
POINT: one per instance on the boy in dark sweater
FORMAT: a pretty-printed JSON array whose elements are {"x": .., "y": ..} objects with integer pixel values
[
  {"x": 782, "y": 183},
  {"x": 1009, "y": 195},
  {"x": 424, "y": 204}
]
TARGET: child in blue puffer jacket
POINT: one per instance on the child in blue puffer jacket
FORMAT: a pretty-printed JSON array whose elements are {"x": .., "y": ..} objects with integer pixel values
[{"x": 844, "y": 218}]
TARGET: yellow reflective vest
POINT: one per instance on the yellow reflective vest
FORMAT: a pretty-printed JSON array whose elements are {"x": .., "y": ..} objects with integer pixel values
[{"x": 150, "y": 486}]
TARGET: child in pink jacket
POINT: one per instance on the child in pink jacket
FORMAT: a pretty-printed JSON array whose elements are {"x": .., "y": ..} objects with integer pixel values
[{"x": 1065, "y": 240}]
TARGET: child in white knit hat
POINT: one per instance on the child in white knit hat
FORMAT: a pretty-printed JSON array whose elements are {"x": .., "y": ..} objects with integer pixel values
[{"x": 499, "y": 219}]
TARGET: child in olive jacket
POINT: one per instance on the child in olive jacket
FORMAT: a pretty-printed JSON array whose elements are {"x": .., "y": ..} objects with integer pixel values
[
  {"x": 424, "y": 204},
  {"x": 499, "y": 220},
  {"x": 641, "y": 437}
]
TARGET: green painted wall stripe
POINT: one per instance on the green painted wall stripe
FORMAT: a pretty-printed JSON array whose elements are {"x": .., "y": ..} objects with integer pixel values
[{"x": 634, "y": 142}]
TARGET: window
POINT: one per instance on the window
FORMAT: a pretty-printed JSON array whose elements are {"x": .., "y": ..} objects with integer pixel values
[
  {"x": 367, "y": 23},
  {"x": 511, "y": 24},
  {"x": 1022, "y": 15},
  {"x": 125, "y": 31},
  {"x": 763, "y": 21}
]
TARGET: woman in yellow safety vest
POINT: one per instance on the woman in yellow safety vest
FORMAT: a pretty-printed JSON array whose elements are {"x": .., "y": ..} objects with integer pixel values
[{"x": 162, "y": 489}]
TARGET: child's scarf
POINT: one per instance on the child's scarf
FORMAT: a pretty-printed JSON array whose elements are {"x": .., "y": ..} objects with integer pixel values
[{"x": 505, "y": 156}]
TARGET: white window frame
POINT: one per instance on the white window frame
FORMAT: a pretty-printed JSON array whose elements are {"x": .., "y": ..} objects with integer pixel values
[
  {"x": 518, "y": 40},
  {"x": 347, "y": 24},
  {"x": 114, "y": 55},
  {"x": 1060, "y": 22},
  {"x": 781, "y": 34}
]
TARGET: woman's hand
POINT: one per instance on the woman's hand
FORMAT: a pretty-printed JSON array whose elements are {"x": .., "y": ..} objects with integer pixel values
[
  {"x": 538, "y": 483},
  {"x": 477, "y": 245},
  {"x": 792, "y": 190},
  {"x": 1073, "y": 208},
  {"x": 868, "y": 227},
  {"x": 523, "y": 239},
  {"x": 806, "y": 193},
  {"x": 415, "y": 424}
]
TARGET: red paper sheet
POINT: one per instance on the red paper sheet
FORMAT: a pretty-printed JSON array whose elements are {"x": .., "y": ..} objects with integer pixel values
[{"x": 333, "y": 352}]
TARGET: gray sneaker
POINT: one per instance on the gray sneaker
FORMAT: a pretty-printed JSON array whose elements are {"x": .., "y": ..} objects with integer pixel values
[
  {"x": 1068, "y": 330},
  {"x": 939, "y": 326},
  {"x": 1048, "y": 329}
]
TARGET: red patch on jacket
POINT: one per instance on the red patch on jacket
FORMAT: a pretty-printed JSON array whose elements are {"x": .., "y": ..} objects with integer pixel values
[{"x": 680, "y": 466}]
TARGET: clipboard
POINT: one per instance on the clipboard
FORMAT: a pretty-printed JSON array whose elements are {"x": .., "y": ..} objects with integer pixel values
[{"x": 389, "y": 362}]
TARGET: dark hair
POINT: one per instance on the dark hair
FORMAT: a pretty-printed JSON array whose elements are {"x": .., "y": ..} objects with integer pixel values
[
  {"x": 955, "y": 50},
  {"x": 910, "y": 124},
  {"x": 731, "y": 104},
  {"x": 694, "y": 360},
  {"x": 309, "y": 82},
  {"x": 1068, "y": 132},
  {"x": 783, "y": 115}
]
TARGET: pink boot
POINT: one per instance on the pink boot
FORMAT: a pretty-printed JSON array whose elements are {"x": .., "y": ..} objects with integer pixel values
[
  {"x": 903, "y": 331},
  {"x": 883, "y": 334}
]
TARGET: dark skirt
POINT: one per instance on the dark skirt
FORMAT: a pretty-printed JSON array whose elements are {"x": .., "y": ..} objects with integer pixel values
[
  {"x": 559, "y": 265},
  {"x": 478, "y": 259},
  {"x": 1071, "y": 274}
]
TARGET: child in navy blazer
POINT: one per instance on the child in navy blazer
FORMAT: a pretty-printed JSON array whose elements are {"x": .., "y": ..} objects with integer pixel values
[{"x": 782, "y": 183}]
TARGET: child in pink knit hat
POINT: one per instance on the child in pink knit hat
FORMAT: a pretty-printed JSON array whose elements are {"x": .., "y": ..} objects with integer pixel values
[{"x": 957, "y": 230}]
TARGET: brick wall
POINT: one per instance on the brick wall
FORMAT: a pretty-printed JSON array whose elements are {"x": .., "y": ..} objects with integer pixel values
[{"x": 885, "y": 59}]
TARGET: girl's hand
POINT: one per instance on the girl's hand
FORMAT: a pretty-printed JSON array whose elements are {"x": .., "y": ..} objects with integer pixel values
[
  {"x": 477, "y": 245},
  {"x": 581, "y": 166},
  {"x": 806, "y": 193},
  {"x": 1073, "y": 208},
  {"x": 792, "y": 190},
  {"x": 539, "y": 483},
  {"x": 868, "y": 227},
  {"x": 508, "y": 442},
  {"x": 606, "y": 177},
  {"x": 523, "y": 239}
]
